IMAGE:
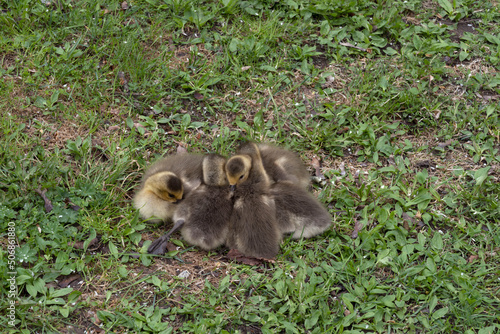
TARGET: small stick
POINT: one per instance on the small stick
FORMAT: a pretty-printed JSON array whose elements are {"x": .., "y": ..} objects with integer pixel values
[
  {"x": 48, "y": 205},
  {"x": 342, "y": 169},
  {"x": 356, "y": 178},
  {"x": 124, "y": 83},
  {"x": 357, "y": 227},
  {"x": 349, "y": 45}
]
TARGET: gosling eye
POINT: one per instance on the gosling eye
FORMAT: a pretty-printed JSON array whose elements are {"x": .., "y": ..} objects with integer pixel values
[
  {"x": 171, "y": 196},
  {"x": 241, "y": 177}
]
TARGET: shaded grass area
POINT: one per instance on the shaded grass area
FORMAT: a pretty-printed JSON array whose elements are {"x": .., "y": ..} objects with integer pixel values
[{"x": 398, "y": 100}]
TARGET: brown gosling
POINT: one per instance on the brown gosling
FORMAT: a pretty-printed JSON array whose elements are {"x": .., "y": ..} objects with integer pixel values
[
  {"x": 298, "y": 212},
  {"x": 165, "y": 183},
  {"x": 204, "y": 215},
  {"x": 253, "y": 227},
  {"x": 280, "y": 164}
]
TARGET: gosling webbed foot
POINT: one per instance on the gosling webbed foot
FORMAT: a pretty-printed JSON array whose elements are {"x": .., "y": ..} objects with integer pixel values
[{"x": 159, "y": 246}]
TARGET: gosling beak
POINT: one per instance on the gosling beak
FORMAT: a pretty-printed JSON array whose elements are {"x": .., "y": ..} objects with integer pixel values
[{"x": 232, "y": 187}]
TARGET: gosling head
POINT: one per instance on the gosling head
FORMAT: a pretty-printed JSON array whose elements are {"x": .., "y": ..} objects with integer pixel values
[
  {"x": 165, "y": 185},
  {"x": 214, "y": 170},
  {"x": 238, "y": 169}
]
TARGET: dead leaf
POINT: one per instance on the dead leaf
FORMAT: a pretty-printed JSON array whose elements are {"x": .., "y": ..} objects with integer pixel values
[
  {"x": 446, "y": 143},
  {"x": 342, "y": 169},
  {"x": 315, "y": 162},
  {"x": 437, "y": 113},
  {"x": 357, "y": 227},
  {"x": 129, "y": 22},
  {"x": 391, "y": 161},
  {"x": 407, "y": 217},
  {"x": 47, "y": 203},
  {"x": 472, "y": 258},
  {"x": 121, "y": 76},
  {"x": 124, "y": 82},
  {"x": 198, "y": 96},
  {"x": 317, "y": 165},
  {"x": 245, "y": 68},
  {"x": 79, "y": 244},
  {"x": 139, "y": 125},
  {"x": 342, "y": 130},
  {"x": 406, "y": 226},
  {"x": 181, "y": 149},
  {"x": 52, "y": 285},
  {"x": 171, "y": 247},
  {"x": 114, "y": 128},
  {"x": 407, "y": 220},
  {"x": 487, "y": 97},
  {"x": 423, "y": 164},
  {"x": 68, "y": 280},
  {"x": 97, "y": 321},
  {"x": 124, "y": 5},
  {"x": 71, "y": 205},
  {"x": 356, "y": 178},
  {"x": 103, "y": 107}
]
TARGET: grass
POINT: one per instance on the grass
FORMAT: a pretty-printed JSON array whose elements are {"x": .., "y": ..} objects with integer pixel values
[{"x": 398, "y": 99}]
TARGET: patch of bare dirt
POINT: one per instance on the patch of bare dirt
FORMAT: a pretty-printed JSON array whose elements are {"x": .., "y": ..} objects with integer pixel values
[
  {"x": 430, "y": 4},
  {"x": 7, "y": 59},
  {"x": 463, "y": 72},
  {"x": 321, "y": 61},
  {"x": 186, "y": 273},
  {"x": 197, "y": 266},
  {"x": 52, "y": 128},
  {"x": 83, "y": 321},
  {"x": 441, "y": 164},
  {"x": 463, "y": 27},
  {"x": 180, "y": 56},
  {"x": 53, "y": 133},
  {"x": 244, "y": 329}
]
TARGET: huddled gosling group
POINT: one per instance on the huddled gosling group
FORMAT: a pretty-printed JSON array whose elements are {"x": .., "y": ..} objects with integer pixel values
[{"x": 248, "y": 202}]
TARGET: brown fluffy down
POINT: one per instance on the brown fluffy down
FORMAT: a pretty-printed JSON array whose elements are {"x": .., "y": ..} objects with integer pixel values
[
  {"x": 187, "y": 167},
  {"x": 254, "y": 231},
  {"x": 206, "y": 212},
  {"x": 298, "y": 211},
  {"x": 280, "y": 164}
]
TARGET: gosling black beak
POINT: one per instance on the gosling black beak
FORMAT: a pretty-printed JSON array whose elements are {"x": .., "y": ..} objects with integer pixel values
[{"x": 232, "y": 187}]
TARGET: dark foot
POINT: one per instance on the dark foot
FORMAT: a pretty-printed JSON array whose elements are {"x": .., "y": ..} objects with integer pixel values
[{"x": 159, "y": 246}]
